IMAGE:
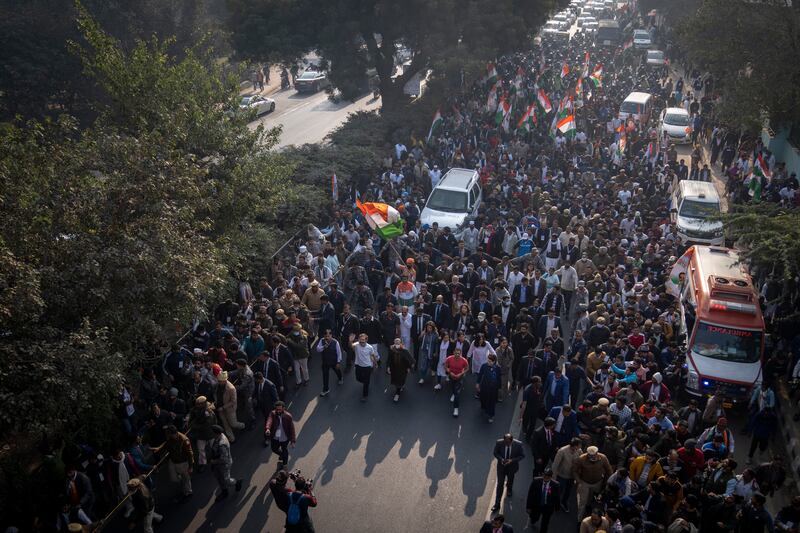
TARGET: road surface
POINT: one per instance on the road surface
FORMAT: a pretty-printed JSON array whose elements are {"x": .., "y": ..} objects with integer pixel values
[
  {"x": 308, "y": 118},
  {"x": 377, "y": 466}
]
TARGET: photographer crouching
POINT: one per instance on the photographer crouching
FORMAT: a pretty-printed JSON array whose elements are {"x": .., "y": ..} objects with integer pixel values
[{"x": 294, "y": 502}]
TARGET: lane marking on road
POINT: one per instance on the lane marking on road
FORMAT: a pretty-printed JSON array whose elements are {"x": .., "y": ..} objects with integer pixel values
[{"x": 514, "y": 429}]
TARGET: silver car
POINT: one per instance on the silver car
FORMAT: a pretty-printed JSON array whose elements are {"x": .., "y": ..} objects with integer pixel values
[{"x": 256, "y": 102}]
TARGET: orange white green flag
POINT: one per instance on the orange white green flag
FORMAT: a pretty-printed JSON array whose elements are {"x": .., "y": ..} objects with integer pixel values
[{"x": 383, "y": 218}]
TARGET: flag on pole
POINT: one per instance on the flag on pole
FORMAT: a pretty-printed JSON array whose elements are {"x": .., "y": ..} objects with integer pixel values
[
  {"x": 754, "y": 187},
  {"x": 436, "y": 124},
  {"x": 760, "y": 167},
  {"x": 586, "y": 65},
  {"x": 566, "y": 125},
  {"x": 627, "y": 44},
  {"x": 335, "y": 188},
  {"x": 597, "y": 76},
  {"x": 544, "y": 101},
  {"x": 503, "y": 109},
  {"x": 528, "y": 119},
  {"x": 383, "y": 218},
  {"x": 564, "y": 70},
  {"x": 579, "y": 87}
]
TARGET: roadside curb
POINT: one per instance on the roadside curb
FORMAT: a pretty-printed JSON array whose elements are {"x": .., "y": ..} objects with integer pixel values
[{"x": 790, "y": 431}]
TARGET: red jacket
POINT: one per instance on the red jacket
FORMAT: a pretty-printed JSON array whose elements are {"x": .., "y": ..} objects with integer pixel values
[
  {"x": 663, "y": 394},
  {"x": 288, "y": 425},
  {"x": 693, "y": 460}
]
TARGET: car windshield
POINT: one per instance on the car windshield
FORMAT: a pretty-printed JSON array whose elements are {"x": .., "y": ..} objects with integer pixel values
[
  {"x": 246, "y": 100},
  {"x": 450, "y": 201},
  {"x": 629, "y": 107},
  {"x": 655, "y": 54},
  {"x": 308, "y": 75},
  {"x": 695, "y": 209},
  {"x": 730, "y": 344},
  {"x": 640, "y": 35},
  {"x": 676, "y": 119}
]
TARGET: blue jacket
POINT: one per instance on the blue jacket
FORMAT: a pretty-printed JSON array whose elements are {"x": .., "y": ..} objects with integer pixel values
[
  {"x": 561, "y": 395},
  {"x": 569, "y": 428}
]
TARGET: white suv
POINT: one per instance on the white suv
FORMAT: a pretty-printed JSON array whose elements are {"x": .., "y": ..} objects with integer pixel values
[{"x": 455, "y": 199}]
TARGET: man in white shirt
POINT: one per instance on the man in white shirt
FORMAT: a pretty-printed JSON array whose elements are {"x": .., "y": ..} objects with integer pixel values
[
  {"x": 435, "y": 175},
  {"x": 569, "y": 282},
  {"x": 366, "y": 358},
  {"x": 399, "y": 150}
]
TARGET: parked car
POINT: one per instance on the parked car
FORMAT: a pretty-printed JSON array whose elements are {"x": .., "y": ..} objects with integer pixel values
[
  {"x": 641, "y": 39},
  {"x": 256, "y": 102},
  {"x": 675, "y": 123},
  {"x": 311, "y": 81}
]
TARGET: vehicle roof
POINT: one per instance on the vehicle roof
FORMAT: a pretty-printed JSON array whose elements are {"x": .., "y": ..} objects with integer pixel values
[
  {"x": 641, "y": 30},
  {"x": 655, "y": 52},
  {"x": 677, "y": 111},
  {"x": 721, "y": 262},
  {"x": 457, "y": 179},
  {"x": 638, "y": 98},
  {"x": 703, "y": 191},
  {"x": 605, "y": 23}
]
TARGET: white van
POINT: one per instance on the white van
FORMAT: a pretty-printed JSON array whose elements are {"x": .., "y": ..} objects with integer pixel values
[
  {"x": 455, "y": 199},
  {"x": 637, "y": 105},
  {"x": 692, "y": 204}
]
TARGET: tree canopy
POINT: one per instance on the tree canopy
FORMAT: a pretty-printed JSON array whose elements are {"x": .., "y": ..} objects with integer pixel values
[
  {"x": 116, "y": 231},
  {"x": 356, "y": 35},
  {"x": 751, "y": 49}
]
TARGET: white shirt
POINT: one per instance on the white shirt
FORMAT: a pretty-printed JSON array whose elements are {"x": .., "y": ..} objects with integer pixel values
[{"x": 364, "y": 354}]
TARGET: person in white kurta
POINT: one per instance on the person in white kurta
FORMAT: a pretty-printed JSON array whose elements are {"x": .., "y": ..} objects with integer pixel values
[
  {"x": 405, "y": 326},
  {"x": 479, "y": 352},
  {"x": 441, "y": 373}
]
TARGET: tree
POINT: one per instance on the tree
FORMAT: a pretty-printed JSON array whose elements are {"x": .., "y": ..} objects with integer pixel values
[
  {"x": 356, "y": 35},
  {"x": 39, "y": 76},
  {"x": 122, "y": 228},
  {"x": 729, "y": 39}
]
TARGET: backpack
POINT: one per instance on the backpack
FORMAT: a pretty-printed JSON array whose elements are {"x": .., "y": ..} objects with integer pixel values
[{"x": 293, "y": 513}]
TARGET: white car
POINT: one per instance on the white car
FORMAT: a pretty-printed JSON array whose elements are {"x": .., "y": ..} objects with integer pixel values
[
  {"x": 261, "y": 104},
  {"x": 590, "y": 26},
  {"x": 583, "y": 19},
  {"x": 641, "y": 39},
  {"x": 553, "y": 25},
  {"x": 655, "y": 58},
  {"x": 561, "y": 20},
  {"x": 453, "y": 200},
  {"x": 676, "y": 124}
]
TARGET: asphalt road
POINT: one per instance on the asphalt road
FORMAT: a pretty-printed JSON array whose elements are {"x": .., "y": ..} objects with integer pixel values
[
  {"x": 308, "y": 118},
  {"x": 377, "y": 466}
]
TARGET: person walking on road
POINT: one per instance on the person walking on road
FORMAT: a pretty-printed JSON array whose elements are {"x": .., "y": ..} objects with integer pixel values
[
  {"x": 456, "y": 366},
  {"x": 220, "y": 459},
  {"x": 279, "y": 429},
  {"x": 509, "y": 452},
  {"x": 181, "y": 458},
  {"x": 366, "y": 360},
  {"x": 591, "y": 470},
  {"x": 563, "y": 464},
  {"x": 226, "y": 406},
  {"x": 544, "y": 496},
  {"x": 331, "y": 355},
  {"x": 399, "y": 366},
  {"x": 488, "y": 386}
]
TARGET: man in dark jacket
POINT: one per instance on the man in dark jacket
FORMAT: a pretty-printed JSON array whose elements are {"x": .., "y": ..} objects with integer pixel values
[
  {"x": 543, "y": 497},
  {"x": 509, "y": 452},
  {"x": 279, "y": 432}
]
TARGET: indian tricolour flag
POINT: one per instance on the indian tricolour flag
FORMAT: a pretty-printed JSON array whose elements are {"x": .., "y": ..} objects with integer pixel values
[
  {"x": 436, "y": 124},
  {"x": 383, "y": 218},
  {"x": 491, "y": 100},
  {"x": 597, "y": 76},
  {"x": 566, "y": 124},
  {"x": 761, "y": 167},
  {"x": 564, "y": 70},
  {"x": 544, "y": 101},
  {"x": 503, "y": 110},
  {"x": 528, "y": 119}
]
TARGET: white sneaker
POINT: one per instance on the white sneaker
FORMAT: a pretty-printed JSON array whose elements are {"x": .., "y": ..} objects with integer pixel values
[
  {"x": 396, "y": 397},
  {"x": 438, "y": 386},
  {"x": 455, "y": 412},
  {"x": 421, "y": 381},
  {"x": 491, "y": 420},
  {"x": 452, "y": 397}
]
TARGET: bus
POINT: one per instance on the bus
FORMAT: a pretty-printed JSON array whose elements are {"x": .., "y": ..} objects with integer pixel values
[
  {"x": 720, "y": 318},
  {"x": 608, "y": 33}
]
